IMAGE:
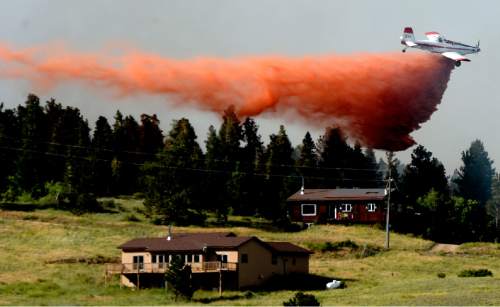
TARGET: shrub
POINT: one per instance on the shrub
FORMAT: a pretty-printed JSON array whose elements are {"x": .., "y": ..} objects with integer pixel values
[
  {"x": 367, "y": 251},
  {"x": 25, "y": 197},
  {"x": 332, "y": 247},
  {"x": 54, "y": 191},
  {"x": 30, "y": 217},
  {"x": 301, "y": 299},
  {"x": 131, "y": 218},
  {"x": 138, "y": 195},
  {"x": 475, "y": 273},
  {"x": 441, "y": 275},
  {"x": 248, "y": 294}
]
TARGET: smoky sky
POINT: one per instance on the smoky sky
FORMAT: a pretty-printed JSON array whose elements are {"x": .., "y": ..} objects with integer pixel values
[{"x": 189, "y": 29}]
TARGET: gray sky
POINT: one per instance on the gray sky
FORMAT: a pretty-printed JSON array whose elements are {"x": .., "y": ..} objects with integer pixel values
[{"x": 226, "y": 28}]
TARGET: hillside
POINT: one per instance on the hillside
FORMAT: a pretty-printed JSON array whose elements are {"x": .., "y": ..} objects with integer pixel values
[{"x": 48, "y": 256}]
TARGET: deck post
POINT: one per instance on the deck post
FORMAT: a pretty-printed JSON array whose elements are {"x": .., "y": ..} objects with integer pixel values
[
  {"x": 138, "y": 279},
  {"x": 220, "y": 279}
]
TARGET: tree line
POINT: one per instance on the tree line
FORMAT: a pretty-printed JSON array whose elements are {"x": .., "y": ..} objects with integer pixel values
[{"x": 49, "y": 151}]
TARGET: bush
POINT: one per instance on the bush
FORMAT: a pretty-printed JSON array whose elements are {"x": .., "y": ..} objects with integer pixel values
[
  {"x": 54, "y": 191},
  {"x": 333, "y": 247},
  {"x": 138, "y": 195},
  {"x": 131, "y": 218},
  {"x": 441, "y": 275},
  {"x": 475, "y": 273},
  {"x": 301, "y": 299},
  {"x": 367, "y": 251}
]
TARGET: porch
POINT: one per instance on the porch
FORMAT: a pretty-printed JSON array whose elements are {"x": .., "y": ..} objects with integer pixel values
[{"x": 162, "y": 267}]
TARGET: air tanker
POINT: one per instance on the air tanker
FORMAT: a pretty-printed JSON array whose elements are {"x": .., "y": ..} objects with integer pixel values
[{"x": 436, "y": 43}]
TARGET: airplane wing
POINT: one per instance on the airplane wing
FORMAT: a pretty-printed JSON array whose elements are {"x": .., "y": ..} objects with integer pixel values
[
  {"x": 455, "y": 56},
  {"x": 410, "y": 44},
  {"x": 433, "y": 36}
]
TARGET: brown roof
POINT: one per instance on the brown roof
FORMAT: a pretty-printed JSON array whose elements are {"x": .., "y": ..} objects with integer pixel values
[
  {"x": 287, "y": 248},
  {"x": 196, "y": 242},
  {"x": 338, "y": 194},
  {"x": 185, "y": 242}
]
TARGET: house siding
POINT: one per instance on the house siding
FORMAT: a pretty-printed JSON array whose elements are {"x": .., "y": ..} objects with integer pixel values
[
  {"x": 326, "y": 213},
  {"x": 258, "y": 268}
]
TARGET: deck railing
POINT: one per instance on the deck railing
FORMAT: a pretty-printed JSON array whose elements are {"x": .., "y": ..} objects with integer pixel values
[{"x": 196, "y": 267}]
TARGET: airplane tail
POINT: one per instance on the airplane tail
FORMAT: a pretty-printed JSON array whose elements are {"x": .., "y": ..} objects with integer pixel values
[{"x": 407, "y": 35}]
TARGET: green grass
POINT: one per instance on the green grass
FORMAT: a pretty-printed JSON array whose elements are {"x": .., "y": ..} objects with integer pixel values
[{"x": 31, "y": 241}]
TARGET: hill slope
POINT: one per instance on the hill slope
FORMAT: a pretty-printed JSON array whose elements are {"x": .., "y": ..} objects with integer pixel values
[{"x": 53, "y": 257}]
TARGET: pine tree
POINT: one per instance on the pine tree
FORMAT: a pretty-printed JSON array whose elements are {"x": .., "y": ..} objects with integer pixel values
[
  {"x": 126, "y": 146},
  {"x": 474, "y": 182},
  {"x": 178, "y": 278},
  {"x": 308, "y": 157},
  {"x": 102, "y": 141},
  {"x": 307, "y": 162},
  {"x": 9, "y": 136},
  {"x": 423, "y": 182},
  {"x": 30, "y": 163},
  {"x": 373, "y": 172},
  {"x": 251, "y": 185},
  {"x": 493, "y": 205},
  {"x": 281, "y": 179},
  {"x": 214, "y": 178},
  {"x": 151, "y": 136},
  {"x": 230, "y": 138},
  {"x": 335, "y": 155},
  {"x": 475, "y": 176},
  {"x": 423, "y": 174},
  {"x": 172, "y": 195}
]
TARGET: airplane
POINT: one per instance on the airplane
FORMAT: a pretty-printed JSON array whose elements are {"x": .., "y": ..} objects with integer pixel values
[{"x": 436, "y": 43}]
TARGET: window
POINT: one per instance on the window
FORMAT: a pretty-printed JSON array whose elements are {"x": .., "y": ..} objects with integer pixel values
[
  {"x": 196, "y": 258},
  {"x": 371, "y": 207},
  {"x": 308, "y": 209},
  {"x": 138, "y": 262},
  {"x": 346, "y": 207},
  {"x": 189, "y": 258},
  {"x": 222, "y": 258},
  {"x": 244, "y": 258},
  {"x": 274, "y": 259},
  {"x": 160, "y": 258},
  {"x": 179, "y": 256}
]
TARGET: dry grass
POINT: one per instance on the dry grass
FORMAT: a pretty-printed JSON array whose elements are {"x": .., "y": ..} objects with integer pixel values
[{"x": 405, "y": 275}]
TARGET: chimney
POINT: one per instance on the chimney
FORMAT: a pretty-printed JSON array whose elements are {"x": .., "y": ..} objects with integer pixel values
[{"x": 169, "y": 236}]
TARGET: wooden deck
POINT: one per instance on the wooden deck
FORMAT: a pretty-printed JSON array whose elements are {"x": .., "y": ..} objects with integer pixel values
[{"x": 137, "y": 268}]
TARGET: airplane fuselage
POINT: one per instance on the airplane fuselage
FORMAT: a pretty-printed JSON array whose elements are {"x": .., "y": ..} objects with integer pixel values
[{"x": 445, "y": 46}]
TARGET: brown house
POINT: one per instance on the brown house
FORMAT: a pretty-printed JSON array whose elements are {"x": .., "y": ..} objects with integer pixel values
[
  {"x": 337, "y": 206},
  {"x": 216, "y": 259}
]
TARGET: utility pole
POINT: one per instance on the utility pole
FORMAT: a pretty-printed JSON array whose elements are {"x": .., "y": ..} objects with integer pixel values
[{"x": 388, "y": 206}]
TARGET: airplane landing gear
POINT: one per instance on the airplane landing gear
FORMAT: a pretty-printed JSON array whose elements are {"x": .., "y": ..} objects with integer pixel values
[
  {"x": 458, "y": 63},
  {"x": 404, "y": 50}
]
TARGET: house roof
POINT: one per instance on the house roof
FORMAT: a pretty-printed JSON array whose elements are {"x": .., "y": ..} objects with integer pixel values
[
  {"x": 197, "y": 242},
  {"x": 338, "y": 194},
  {"x": 185, "y": 242},
  {"x": 287, "y": 248}
]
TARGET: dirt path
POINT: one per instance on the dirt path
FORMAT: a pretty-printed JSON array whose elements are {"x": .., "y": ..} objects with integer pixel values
[{"x": 444, "y": 248}]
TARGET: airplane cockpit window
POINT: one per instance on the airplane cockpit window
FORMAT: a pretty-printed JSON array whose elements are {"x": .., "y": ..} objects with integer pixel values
[{"x": 440, "y": 40}]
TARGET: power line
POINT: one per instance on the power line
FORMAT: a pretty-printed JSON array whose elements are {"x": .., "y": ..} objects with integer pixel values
[
  {"x": 159, "y": 165},
  {"x": 199, "y": 159}
]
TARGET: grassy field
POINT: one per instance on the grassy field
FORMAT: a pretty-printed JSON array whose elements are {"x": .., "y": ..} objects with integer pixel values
[{"x": 35, "y": 245}]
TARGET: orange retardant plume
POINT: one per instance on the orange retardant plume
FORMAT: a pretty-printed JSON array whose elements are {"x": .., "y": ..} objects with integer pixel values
[{"x": 377, "y": 99}]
